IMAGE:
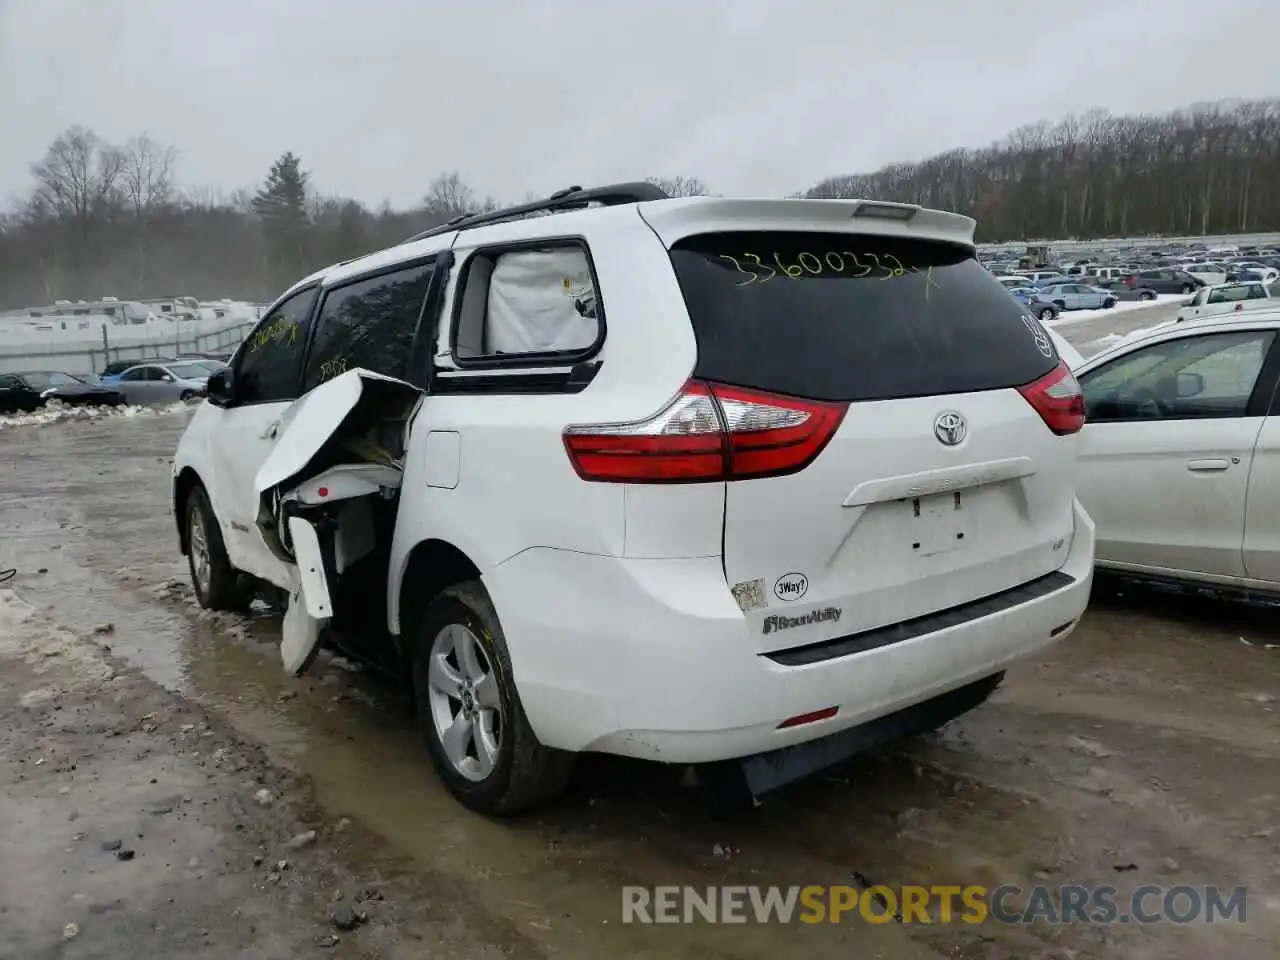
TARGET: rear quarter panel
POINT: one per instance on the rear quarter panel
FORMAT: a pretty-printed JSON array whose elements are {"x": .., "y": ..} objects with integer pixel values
[{"x": 516, "y": 488}]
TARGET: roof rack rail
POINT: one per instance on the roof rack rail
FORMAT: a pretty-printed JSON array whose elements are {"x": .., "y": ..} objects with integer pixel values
[{"x": 570, "y": 198}]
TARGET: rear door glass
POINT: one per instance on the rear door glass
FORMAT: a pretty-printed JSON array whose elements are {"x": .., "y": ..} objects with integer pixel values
[
  {"x": 368, "y": 323},
  {"x": 853, "y": 317}
]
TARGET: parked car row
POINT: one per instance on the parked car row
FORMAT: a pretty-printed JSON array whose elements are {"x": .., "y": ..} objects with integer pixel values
[
  {"x": 1174, "y": 271},
  {"x": 1047, "y": 301},
  {"x": 164, "y": 381},
  {"x": 158, "y": 381},
  {"x": 28, "y": 391}
]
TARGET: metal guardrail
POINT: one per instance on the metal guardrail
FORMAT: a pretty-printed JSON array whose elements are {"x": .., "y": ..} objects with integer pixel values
[{"x": 81, "y": 358}]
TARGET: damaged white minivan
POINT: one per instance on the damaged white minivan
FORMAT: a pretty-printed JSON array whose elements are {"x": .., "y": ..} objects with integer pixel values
[{"x": 746, "y": 485}]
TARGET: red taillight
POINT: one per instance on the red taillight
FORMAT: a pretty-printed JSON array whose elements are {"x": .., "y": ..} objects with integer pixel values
[
  {"x": 1057, "y": 398},
  {"x": 708, "y": 432},
  {"x": 1130, "y": 281}
]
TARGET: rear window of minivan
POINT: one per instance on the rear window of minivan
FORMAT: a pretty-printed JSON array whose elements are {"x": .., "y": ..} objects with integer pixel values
[{"x": 853, "y": 317}]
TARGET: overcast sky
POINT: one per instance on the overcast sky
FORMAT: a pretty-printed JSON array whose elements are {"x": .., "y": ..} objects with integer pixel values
[{"x": 757, "y": 97}]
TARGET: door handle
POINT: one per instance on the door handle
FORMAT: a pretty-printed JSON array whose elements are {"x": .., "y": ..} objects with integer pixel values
[
  {"x": 1207, "y": 466},
  {"x": 273, "y": 428}
]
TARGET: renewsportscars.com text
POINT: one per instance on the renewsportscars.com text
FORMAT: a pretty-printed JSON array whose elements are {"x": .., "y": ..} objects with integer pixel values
[{"x": 1006, "y": 904}]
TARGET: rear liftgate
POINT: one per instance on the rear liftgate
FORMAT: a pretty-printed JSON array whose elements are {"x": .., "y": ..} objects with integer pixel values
[{"x": 341, "y": 448}]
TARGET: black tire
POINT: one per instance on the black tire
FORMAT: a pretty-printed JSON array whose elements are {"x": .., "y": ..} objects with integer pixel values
[
  {"x": 1147, "y": 295},
  {"x": 1060, "y": 304},
  {"x": 224, "y": 587},
  {"x": 186, "y": 396},
  {"x": 1047, "y": 314},
  {"x": 1108, "y": 303},
  {"x": 525, "y": 773}
]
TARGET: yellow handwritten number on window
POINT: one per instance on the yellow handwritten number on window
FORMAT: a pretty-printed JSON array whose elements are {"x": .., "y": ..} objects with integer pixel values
[
  {"x": 816, "y": 269},
  {"x": 854, "y": 257},
  {"x": 763, "y": 266},
  {"x": 791, "y": 270},
  {"x": 331, "y": 368},
  {"x": 751, "y": 277},
  {"x": 280, "y": 330},
  {"x": 814, "y": 265}
]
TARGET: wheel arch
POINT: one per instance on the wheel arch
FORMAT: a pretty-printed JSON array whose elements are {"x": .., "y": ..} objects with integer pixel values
[
  {"x": 186, "y": 481},
  {"x": 430, "y": 567}
]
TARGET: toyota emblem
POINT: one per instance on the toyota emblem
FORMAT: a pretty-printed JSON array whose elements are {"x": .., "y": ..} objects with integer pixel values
[{"x": 950, "y": 428}]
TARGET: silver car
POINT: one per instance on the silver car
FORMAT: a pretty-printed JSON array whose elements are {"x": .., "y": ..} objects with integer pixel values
[
  {"x": 166, "y": 382},
  {"x": 1078, "y": 296}
]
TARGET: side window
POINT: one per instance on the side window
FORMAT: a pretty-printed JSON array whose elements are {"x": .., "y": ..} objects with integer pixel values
[
  {"x": 1227, "y": 375},
  {"x": 9, "y": 383},
  {"x": 369, "y": 323},
  {"x": 137, "y": 373},
  {"x": 536, "y": 304},
  {"x": 1258, "y": 292},
  {"x": 1210, "y": 375},
  {"x": 267, "y": 364}
]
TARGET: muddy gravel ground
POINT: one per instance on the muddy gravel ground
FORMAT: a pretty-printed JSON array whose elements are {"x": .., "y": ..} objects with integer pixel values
[{"x": 166, "y": 791}]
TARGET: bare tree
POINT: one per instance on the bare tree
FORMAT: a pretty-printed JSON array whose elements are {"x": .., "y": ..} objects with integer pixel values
[
  {"x": 146, "y": 178},
  {"x": 146, "y": 174},
  {"x": 448, "y": 197},
  {"x": 681, "y": 186},
  {"x": 79, "y": 176}
]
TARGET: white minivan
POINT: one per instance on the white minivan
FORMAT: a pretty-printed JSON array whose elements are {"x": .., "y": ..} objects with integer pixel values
[{"x": 751, "y": 485}]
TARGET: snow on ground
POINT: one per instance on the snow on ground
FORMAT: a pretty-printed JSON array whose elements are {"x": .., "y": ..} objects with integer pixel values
[
  {"x": 55, "y": 412},
  {"x": 1111, "y": 339},
  {"x": 1124, "y": 306}
]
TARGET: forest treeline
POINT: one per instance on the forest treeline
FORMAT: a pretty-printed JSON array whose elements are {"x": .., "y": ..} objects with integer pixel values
[{"x": 103, "y": 219}]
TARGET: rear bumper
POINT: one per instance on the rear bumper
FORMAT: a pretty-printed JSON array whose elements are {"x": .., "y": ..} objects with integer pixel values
[{"x": 651, "y": 658}]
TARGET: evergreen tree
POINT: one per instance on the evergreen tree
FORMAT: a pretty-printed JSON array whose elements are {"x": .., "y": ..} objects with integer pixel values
[
  {"x": 281, "y": 206},
  {"x": 351, "y": 234}
]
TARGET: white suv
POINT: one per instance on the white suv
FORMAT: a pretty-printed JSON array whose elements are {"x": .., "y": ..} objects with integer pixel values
[{"x": 690, "y": 480}]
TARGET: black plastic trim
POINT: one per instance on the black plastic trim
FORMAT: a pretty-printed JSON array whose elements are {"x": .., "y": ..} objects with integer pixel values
[
  {"x": 920, "y": 626},
  {"x": 540, "y": 382},
  {"x": 735, "y": 786},
  {"x": 422, "y": 354}
]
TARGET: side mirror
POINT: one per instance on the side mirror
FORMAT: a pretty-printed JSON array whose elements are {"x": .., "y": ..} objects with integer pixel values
[
  {"x": 221, "y": 387},
  {"x": 1189, "y": 385},
  {"x": 168, "y": 378}
]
